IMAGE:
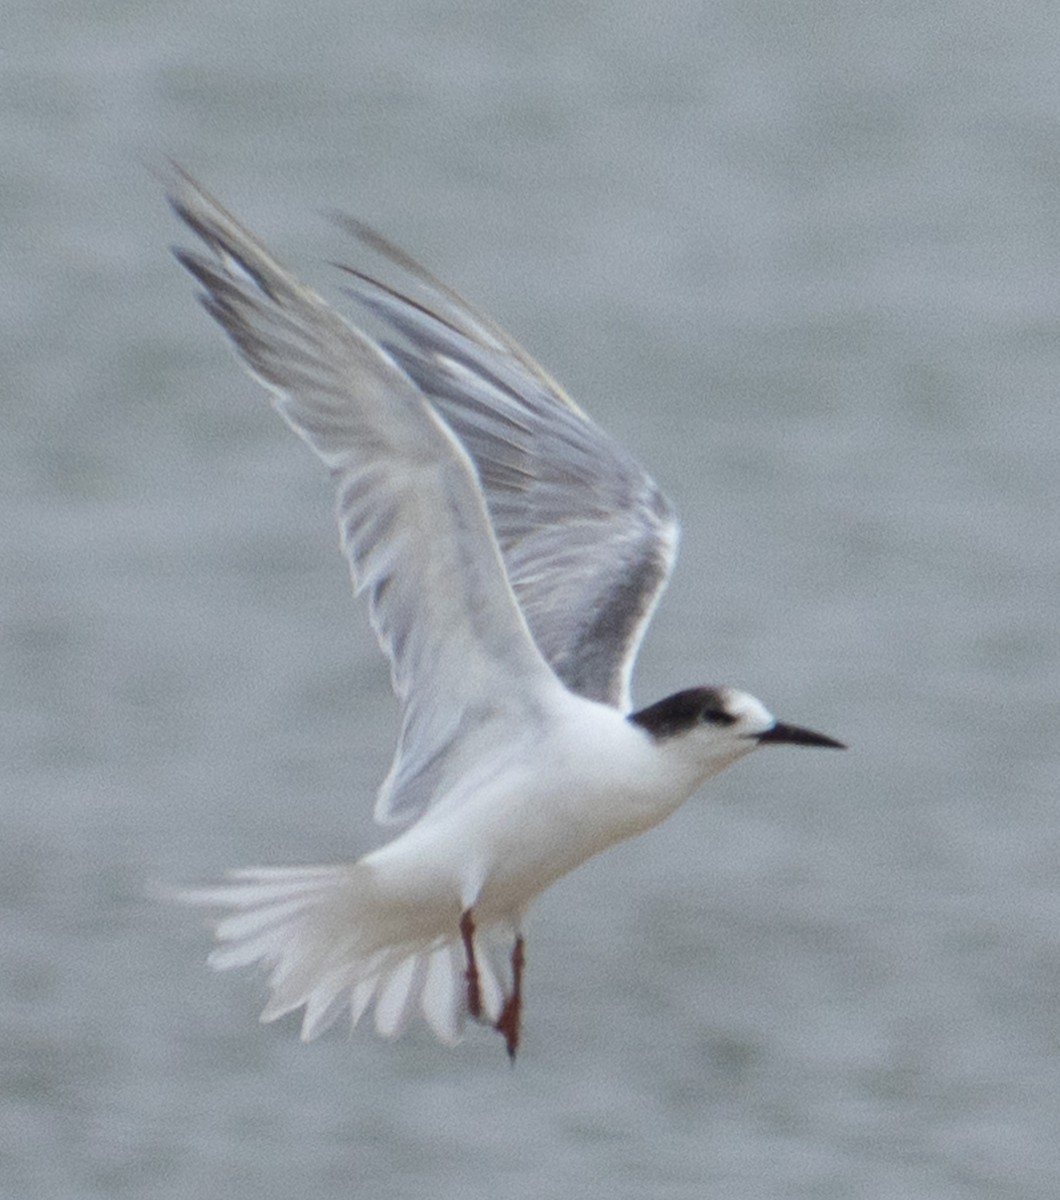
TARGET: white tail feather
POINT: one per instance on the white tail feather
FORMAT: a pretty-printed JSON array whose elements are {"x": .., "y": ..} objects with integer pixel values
[{"x": 331, "y": 943}]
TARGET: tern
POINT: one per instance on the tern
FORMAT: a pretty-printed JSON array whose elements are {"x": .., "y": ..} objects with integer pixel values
[{"x": 512, "y": 554}]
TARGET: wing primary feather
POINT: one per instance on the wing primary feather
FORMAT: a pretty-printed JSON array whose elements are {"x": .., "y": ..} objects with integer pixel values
[
  {"x": 588, "y": 538},
  {"x": 413, "y": 520}
]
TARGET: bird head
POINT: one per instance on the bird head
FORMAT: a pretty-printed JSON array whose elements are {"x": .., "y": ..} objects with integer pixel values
[{"x": 717, "y": 725}]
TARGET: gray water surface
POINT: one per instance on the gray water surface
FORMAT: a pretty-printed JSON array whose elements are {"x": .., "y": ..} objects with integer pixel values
[{"x": 803, "y": 260}]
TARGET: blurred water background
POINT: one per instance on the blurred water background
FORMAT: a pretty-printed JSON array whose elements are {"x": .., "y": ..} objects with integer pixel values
[{"x": 804, "y": 261}]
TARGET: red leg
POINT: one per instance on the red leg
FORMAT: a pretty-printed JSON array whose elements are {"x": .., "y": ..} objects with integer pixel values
[
  {"x": 508, "y": 1023},
  {"x": 474, "y": 992}
]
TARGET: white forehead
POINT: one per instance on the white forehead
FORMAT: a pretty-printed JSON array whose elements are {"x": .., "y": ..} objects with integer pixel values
[{"x": 751, "y": 715}]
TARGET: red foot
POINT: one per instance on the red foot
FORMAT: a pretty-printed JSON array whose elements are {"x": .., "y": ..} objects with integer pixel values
[
  {"x": 474, "y": 991},
  {"x": 509, "y": 1022}
]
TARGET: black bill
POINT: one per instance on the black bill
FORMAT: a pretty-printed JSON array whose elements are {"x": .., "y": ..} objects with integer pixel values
[{"x": 793, "y": 735}]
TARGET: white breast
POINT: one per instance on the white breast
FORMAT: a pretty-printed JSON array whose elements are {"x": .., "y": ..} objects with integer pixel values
[{"x": 559, "y": 795}]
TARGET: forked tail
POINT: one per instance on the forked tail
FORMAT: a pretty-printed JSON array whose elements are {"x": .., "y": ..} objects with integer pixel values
[{"x": 331, "y": 942}]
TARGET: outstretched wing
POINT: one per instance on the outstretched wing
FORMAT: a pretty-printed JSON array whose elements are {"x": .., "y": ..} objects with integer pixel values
[
  {"x": 588, "y": 538},
  {"x": 413, "y": 521}
]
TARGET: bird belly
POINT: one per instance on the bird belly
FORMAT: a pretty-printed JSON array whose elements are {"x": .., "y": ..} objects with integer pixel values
[{"x": 500, "y": 844}]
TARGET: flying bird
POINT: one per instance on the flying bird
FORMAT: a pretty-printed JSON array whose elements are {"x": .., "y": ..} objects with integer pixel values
[{"x": 511, "y": 554}]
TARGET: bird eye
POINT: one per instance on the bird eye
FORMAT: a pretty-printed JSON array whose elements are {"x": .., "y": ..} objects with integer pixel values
[{"x": 718, "y": 716}]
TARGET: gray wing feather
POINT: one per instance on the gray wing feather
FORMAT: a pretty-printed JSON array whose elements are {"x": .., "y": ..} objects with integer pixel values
[
  {"x": 413, "y": 522},
  {"x": 588, "y": 538}
]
